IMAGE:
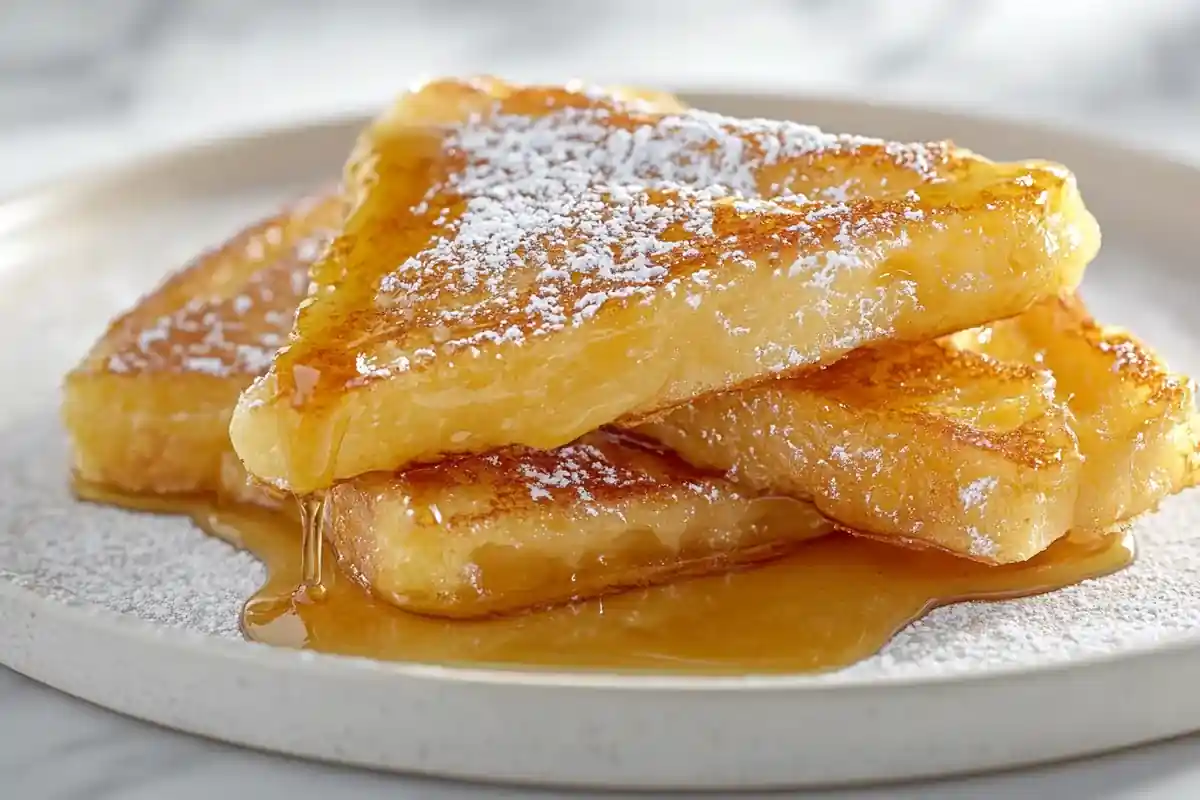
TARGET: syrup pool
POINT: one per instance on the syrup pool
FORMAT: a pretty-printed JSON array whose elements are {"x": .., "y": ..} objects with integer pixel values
[{"x": 833, "y": 602}]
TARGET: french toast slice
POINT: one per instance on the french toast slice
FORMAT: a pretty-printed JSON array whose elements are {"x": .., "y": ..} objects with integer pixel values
[
  {"x": 967, "y": 444},
  {"x": 925, "y": 444},
  {"x": 521, "y": 265},
  {"x": 511, "y": 530},
  {"x": 1137, "y": 423},
  {"x": 148, "y": 408}
]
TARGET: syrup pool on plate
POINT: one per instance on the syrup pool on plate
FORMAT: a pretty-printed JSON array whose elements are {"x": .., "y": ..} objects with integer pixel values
[{"x": 835, "y": 601}]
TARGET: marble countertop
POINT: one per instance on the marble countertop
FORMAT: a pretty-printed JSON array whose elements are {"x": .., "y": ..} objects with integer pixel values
[{"x": 84, "y": 84}]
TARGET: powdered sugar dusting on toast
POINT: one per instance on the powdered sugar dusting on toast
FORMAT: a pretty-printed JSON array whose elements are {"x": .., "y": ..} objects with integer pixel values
[
  {"x": 609, "y": 204},
  {"x": 223, "y": 336},
  {"x": 573, "y": 468},
  {"x": 582, "y": 468}
]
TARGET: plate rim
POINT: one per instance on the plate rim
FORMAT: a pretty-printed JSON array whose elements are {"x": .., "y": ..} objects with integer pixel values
[
  {"x": 337, "y": 665},
  {"x": 199, "y": 146}
]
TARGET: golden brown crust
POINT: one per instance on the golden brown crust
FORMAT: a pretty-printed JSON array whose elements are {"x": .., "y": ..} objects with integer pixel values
[
  {"x": 601, "y": 468},
  {"x": 229, "y": 310},
  {"x": 1136, "y": 421},
  {"x": 1129, "y": 357},
  {"x": 881, "y": 379},
  {"x": 886, "y": 378},
  {"x": 148, "y": 408}
]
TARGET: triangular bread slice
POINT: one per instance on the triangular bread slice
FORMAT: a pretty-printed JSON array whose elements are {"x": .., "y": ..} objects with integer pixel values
[{"x": 521, "y": 265}]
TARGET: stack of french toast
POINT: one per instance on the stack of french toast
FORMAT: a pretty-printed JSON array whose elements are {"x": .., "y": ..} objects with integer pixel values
[{"x": 549, "y": 342}]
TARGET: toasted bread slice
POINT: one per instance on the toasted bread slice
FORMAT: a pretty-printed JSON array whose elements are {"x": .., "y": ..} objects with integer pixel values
[
  {"x": 148, "y": 408},
  {"x": 1136, "y": 421},
  {"x": 968, "y": 444},
  {"x": 922, "y": 442},
  {"x": 510, "y": 530},
  {"x": 524, "y": 264}
]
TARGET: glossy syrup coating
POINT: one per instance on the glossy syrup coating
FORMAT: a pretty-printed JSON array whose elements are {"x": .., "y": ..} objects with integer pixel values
[
  {"x": 148, "y": 408},
  {"x": 521, "y": 265},
  {"x": 918, "y": 443}
]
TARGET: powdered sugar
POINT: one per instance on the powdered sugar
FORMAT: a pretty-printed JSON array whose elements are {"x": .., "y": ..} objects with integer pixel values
[
  {"x": 975, "y": 494},
  {"x": 223, "y": 335},
  {"x": 588, "y": 467},
  {"x": 160, "y": 569},
  {"x": 981, "y": 545},
  {"x": 585, "y": 206},
  {"x": 573, "y": 467}
]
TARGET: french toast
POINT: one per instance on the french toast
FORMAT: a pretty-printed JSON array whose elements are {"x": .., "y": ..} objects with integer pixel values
[
  {"x": 1136, "y": 421},
  {"x": 967, "y": 444},
  {"x": 521, "y": 265},
  {"x": 512, "y": 530},
  {"x": 148, "y": 409},
  {"x": 920, "y": 443},
  {"x": 148, "y": 456},
  {"x": 172, "y": 366}
]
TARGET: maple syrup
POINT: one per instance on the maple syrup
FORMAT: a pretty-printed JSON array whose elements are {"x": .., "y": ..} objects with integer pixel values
[
  {"x": 835, "y": 601},
  {"x": 313, "y": 511}
]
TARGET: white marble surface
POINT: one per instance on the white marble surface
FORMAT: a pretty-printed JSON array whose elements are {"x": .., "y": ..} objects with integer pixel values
[{"x": 85, "y": 83}]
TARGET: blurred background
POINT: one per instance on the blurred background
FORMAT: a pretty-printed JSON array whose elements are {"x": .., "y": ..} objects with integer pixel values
[{"x": 85, "y": 82}]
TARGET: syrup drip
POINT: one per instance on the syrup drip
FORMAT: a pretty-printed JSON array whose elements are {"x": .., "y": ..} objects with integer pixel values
[
  {"x": 313, "y": 511},
  {"x": 834, "y": 602}
]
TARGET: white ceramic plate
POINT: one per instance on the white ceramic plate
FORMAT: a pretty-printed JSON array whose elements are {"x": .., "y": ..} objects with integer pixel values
[{"x": 138, "y": 613}]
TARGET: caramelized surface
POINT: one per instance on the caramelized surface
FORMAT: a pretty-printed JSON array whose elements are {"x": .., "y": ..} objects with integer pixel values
[
  {"x": 1136, "y": 421},
  {"x": 148, "y": 409},
  {"x": 911, "y": 442},
  {"x": 521, "y": 265},
  {"x": 834, "y": 602}
]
